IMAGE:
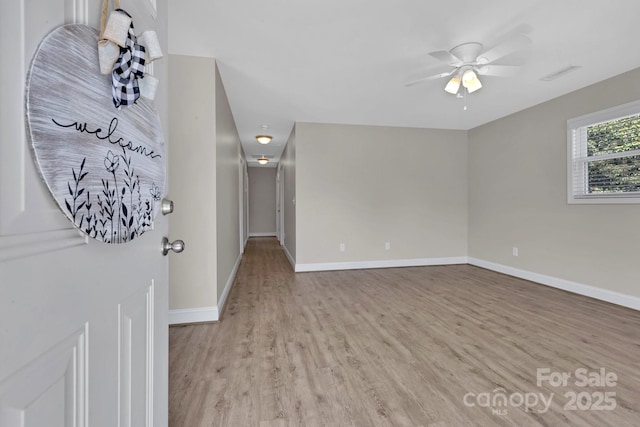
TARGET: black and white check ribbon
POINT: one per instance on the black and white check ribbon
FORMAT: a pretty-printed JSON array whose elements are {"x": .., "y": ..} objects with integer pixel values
[{"x": 127, "y": 69}]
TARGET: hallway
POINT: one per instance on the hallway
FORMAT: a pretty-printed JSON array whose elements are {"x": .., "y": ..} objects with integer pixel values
[{"x": 397, "y": 347}]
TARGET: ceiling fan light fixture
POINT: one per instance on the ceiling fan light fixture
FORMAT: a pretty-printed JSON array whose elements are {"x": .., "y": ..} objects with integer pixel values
[
  {"x": 453, "y": 86},
  {"x": 264, "y": 139},
  {"x": 263, "y": 160},
  {"x": 470, "y": 81}
]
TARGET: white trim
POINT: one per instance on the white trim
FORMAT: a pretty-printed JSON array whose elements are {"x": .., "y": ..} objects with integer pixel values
[
  {"x": 292, "y": 261},
  {"x": 613, "y": 113},
  {"x": 268, "y": 234},
  {"x": 205, "y": 314},
  {"x": 358, "y": 265},
  {"x": 577, "y": 288},
  {"x": 229, "y": 284},
  {"x": 578, "y": 158},
  {"x": 193, "y": 315}
]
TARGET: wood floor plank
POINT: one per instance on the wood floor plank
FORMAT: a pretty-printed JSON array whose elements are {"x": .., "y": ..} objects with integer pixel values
[{"x": 397, "y": 347}]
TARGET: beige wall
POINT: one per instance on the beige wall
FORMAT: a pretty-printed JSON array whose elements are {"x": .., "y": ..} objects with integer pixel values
[
  {"x": 204, "y": 162},
  {"x": 518, "y": 196},
  {"x": 430, "y": 193},
  {"x": 288, "y": 162},
  {"x": 192, "y": 181},
  {"x": 367, "y": 185},
  {"x": 262, "y": 201},
  {"x": 228, "y": 156}
]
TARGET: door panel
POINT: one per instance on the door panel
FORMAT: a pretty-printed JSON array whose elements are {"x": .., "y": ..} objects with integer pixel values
[
  {"x": 25, "y": 205},
  {"x": 52, "y": 388},
  {"x": 136, "y": 329},
  {"x": 83, "y": 324}
]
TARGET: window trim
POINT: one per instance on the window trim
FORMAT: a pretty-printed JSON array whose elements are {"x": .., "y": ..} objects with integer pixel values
[{"x": 618, "y": 112}]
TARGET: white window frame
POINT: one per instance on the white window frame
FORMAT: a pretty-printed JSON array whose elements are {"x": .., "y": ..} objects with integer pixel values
[{"x": 577, "y": 155}]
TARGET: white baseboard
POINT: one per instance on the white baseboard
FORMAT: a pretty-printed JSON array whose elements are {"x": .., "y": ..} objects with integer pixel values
[
  {"x": 577, "y": 288},
  {"x": 193, "y": 315},
  {"x": 229, "y": 284},
  {"x": 292, "y": 261},
  {"x": 270, "y": 234},
  {"x": 205, "y": 314},
  {"x": 359, "y": 265}
]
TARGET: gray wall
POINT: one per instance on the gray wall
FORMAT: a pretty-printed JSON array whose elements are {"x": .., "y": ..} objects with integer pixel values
[
  {"x": 367, "y": 185},
  {"x": 228, "y": 156},
  {"x": 262, "y": 201},
  {"x": 518, "y": 196}
]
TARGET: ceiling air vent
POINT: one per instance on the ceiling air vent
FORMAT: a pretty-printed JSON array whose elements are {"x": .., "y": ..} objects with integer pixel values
[{"x": 560, "y": 73}]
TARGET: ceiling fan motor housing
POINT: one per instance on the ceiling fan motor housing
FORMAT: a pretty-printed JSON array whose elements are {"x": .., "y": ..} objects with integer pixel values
[{"x": 467, "y": 52}]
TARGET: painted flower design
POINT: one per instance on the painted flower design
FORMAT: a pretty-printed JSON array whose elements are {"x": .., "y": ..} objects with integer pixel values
[
  {"x": 155, "y": 192},
  {"x": 111, "y": 162}
]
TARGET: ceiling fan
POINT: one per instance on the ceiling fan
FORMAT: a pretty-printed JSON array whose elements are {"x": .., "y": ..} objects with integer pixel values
[{"x": 470, "y": 61}]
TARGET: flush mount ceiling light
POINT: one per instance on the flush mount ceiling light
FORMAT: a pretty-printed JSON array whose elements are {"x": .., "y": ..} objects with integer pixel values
[
  {"x": 264, "y": 139},
  {"x": 263, "y": 160}
]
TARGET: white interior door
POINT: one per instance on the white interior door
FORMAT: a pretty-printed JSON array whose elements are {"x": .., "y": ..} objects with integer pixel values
[
  {"x": 278, "y": 195},
  {"x": 243, "y": 200},
  {"x": 245, "y": 171},
  {"x": 280, "y": 203},
  {"x": 83, "y": 324},
  {"x": 241, "y": 206}
]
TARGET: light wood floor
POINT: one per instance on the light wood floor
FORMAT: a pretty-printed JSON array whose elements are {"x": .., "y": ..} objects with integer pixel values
[{"x": 396, "y": 347}]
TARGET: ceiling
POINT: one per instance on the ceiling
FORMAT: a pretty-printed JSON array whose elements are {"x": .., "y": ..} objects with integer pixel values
[{"x": 346, "y": 61}]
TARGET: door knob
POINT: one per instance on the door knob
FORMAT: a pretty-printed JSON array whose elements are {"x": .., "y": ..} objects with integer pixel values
[{"x": 176, "y": 246}]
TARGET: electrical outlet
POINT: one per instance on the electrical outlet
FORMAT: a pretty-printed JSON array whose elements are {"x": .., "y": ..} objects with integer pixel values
[
  {"x": 342, "y": 247},
  {"x": 387, "y": 246},
  {"x": 514, "y": 251}
]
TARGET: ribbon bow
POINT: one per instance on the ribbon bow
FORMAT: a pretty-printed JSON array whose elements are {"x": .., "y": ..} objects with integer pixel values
[{"x": 127, "y": 69}]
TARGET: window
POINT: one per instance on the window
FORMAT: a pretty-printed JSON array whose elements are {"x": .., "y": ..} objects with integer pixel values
[{"x": 604, "y": 156}]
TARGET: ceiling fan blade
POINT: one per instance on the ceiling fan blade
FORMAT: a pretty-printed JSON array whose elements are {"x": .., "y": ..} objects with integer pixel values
[
  {"x": 447, "y": 57},
  {"x": 504, "y": 49},
  {"x": 434, "y": 77},
  {"x": 498, "y": 70}
]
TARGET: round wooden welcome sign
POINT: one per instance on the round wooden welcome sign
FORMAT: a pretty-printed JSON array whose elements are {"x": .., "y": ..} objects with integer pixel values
[{"x": 104, "y": 166}]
